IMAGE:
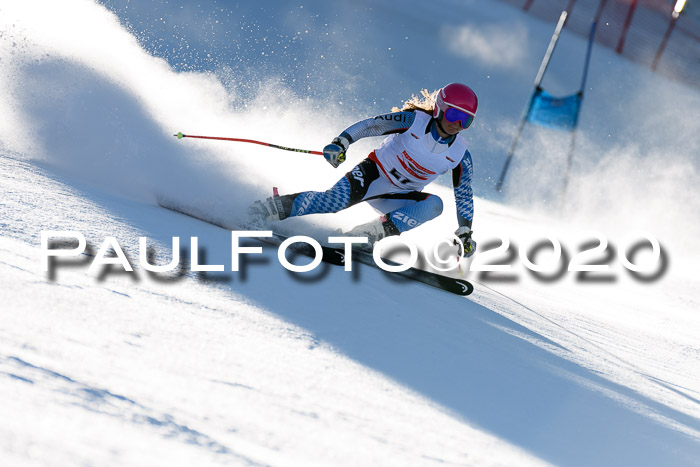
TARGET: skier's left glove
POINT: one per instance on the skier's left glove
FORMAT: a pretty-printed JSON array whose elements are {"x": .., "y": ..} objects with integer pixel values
[
  {"x": 335, "y": 152},
  {"x": 468, "y": 245}
]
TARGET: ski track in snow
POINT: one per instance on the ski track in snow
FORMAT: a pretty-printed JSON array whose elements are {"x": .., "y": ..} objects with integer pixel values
[
  {"x": 532, "y": 361},
  {"x": 242, "y": 386}
]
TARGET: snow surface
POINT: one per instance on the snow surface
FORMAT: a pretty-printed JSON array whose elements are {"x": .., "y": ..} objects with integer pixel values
[{"x": 268, "y": 367}]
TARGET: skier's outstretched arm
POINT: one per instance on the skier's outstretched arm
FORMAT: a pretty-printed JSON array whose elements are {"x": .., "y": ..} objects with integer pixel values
[
  {"x": 380, "y": 125},
  {"x": 464, "y": 199}
]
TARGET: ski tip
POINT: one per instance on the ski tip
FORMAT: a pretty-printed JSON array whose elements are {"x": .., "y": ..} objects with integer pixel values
[
  {"x": 179, "y": 135},
  {"x": 464, "y": 287}
]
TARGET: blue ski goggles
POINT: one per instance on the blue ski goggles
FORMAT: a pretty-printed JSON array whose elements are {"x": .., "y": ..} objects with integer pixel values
[{"x": 453, "y": 115}]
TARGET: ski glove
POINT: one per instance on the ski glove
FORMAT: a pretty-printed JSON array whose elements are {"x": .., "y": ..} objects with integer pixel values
[
  {"x": 335, "y": 152},
  {"x": 468, "y": 246}
]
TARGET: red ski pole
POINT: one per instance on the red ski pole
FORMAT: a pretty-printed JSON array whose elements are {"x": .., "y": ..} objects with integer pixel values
[{"x": 180, "y": 135}]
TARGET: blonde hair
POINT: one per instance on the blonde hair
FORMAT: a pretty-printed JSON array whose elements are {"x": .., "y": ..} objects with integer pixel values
[{"x": 424, "y": 104}]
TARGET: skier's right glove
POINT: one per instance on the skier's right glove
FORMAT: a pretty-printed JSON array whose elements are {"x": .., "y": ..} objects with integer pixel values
[
  {"x": 335, "y": 152},
  {"x": 467, "y": 246}
]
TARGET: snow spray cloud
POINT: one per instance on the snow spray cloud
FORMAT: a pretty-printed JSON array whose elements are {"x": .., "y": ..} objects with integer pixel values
[
  {"x": 635, "y": 165},
  {"x": 626, "y": 189},
  {"x": 86, "y": 100},
  {"x": 494, "y": 46},
  {"x": 90, "y": 103}
]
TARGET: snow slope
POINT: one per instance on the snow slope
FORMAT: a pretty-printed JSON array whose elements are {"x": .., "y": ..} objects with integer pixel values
[{"x": 268, "y": 367}]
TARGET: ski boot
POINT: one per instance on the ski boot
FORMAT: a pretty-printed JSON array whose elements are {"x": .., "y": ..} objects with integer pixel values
[
  {"x": 374, "y": 230},
  {"x": 274, "y": 208}
]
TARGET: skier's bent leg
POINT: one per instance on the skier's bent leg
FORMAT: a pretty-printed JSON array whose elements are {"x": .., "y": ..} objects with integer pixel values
[
  {"x": 415, "y": 214},
  {"x": 422, "y": 207},
  {"x": 277, "y": 207},
  {"x": 347, "y": 192},
  {"x": 334, "y": 199}
]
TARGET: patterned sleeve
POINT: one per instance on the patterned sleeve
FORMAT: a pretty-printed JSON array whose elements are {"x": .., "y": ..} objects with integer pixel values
[
  {"x": 462, "y": 181},
  {"x": 380, "y": 125}
]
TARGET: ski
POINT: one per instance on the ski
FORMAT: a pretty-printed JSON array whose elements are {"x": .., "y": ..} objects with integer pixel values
[
  {"x": 332, "y": 255},
  {"x": 450, "y": 284},
  {"x": 329, "y": 253}
]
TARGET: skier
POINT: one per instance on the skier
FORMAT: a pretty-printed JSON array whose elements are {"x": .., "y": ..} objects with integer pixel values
[{"x": 423, "y": 143}]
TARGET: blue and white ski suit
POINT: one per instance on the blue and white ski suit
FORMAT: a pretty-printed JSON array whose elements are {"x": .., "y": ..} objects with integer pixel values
[{"x": 393, "y": 176}]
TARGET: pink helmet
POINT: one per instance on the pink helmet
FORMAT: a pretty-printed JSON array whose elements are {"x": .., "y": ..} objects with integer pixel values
[{"x": 458, "y": 96}]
